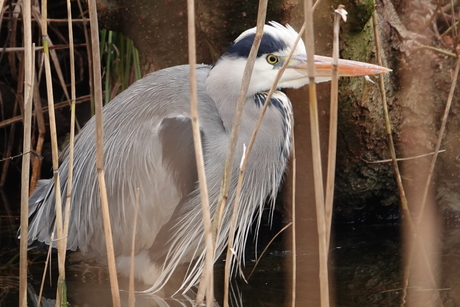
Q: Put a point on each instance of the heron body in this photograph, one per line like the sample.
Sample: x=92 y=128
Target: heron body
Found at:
x=148 y=145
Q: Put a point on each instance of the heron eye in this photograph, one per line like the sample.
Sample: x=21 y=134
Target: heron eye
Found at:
x=272 y=59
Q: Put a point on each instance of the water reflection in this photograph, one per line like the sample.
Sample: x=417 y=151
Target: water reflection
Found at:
x=366 y=270
x=367 y=265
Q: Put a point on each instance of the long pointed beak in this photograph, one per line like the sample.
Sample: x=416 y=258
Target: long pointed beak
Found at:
x=346 y=68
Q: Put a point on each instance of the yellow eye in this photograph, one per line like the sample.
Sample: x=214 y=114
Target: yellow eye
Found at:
x=272 y=59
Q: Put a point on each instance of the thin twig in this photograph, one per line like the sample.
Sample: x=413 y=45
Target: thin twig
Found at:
x=57 y=106
x=403 y=159
x=442 y=51
x=47 y=261
x=9 y=146
x=39 y=48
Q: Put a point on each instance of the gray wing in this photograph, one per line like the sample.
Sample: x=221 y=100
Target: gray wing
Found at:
x=147 y=145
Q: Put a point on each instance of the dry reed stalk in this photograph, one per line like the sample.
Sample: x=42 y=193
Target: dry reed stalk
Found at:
x=55 y=159
x=294 y=239
x=28 y=94
x=238 y=116
x=315 y=5
x=42 y=284
x=100 y=152
x=131 y=297
x=36 y=165
x=332 y=146
x=316 y=154
x=261 y=15
x=50 y=45
x=207 y=277
x=72 y=123
x=244 y=162
x=2 y=2
x=229 y=255
x=404 y=204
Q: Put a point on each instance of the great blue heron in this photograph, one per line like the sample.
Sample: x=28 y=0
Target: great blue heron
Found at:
x=148 y=145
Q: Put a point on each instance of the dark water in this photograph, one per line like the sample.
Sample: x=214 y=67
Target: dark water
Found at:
x=366 y=270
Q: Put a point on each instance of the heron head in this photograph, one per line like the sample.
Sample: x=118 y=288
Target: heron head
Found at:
x=275 y=47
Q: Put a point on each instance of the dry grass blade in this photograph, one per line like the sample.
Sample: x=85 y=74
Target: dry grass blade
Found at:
x=266 y=247
x=206 y=281
x=28 y=94
x=100 y=152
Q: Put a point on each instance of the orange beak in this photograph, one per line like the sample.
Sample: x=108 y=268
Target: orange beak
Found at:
x=346 y=68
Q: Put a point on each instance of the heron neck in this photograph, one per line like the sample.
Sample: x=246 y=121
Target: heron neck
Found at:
x=223 y=85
